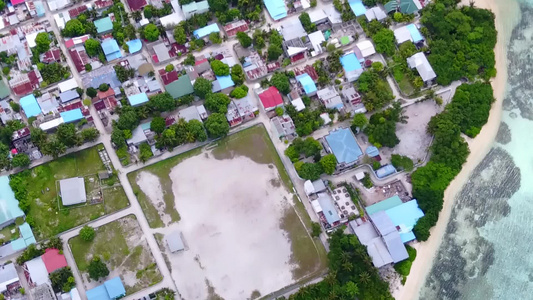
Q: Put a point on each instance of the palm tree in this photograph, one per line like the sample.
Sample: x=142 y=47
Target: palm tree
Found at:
x=364 y=277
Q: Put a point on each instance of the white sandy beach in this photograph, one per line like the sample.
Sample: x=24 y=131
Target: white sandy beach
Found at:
x=479 y=147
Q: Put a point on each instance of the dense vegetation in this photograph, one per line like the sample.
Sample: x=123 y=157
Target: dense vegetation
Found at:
x=180 y=133
x=461 y=39
x=467 y=113
x=381 y=129
x=374 y=88
x=402 y=162
x=305 y=121
x=303 y=148
x=351 y=276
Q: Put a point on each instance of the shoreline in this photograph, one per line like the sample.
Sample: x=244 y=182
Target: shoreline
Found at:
x=479 y=147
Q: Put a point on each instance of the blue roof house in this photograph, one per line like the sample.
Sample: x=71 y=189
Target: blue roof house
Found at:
x=111 y=49
x=307 y=83
x=134 y=45
x=385 y=171
x=276 y=9
x=200 y=33
x=71 y=115
x=343 y=145
x=103 y=25
x=30 y=106
x=138 y=99
x=111 y=289
x=222 y=83
x=9 y=206
x=357 y=7
x=372 y=151
x=352 y=67
x=405 y=217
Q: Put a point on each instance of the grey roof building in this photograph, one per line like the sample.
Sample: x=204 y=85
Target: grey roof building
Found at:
x=8 y=275
x=283 y=126
x=376 y=248
x=72 y=191
x=421 y=63
x=174 y=241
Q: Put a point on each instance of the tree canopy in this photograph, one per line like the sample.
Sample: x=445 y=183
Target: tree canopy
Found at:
x=163 y=102
x=381 y=129
x=328 y=163
x=306 y=22
x=220 y=68
x=306 y=148
x=217 y=103
x=158 y=125
x=92 y=47
x=151 y=32
x=237 y=74
x=461 y=40
x=87 y=233
x=97 y=268
x=42 y=41
x=214 y=37
x=244 y=39
x=202 y=87
x=281 y=82
x=217 y=125
x=73 y=28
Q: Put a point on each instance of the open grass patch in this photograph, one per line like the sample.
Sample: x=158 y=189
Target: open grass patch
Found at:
x=45 y=215
x=122 y=247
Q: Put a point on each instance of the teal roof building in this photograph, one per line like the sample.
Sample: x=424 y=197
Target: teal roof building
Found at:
x=103 y=25
x=9 y=206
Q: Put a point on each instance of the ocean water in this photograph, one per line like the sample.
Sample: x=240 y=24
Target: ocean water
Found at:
x=487 y=250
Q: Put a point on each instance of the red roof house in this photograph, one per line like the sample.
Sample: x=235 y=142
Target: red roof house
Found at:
x=137 y=4
x=168 y=77
x=51 y=56
x=53 y=260
x=232 y=28
x=271 y=98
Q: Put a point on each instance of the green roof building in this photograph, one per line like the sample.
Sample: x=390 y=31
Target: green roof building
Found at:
x=409 y=6
x=180 y=87
x=391 y=6
x=4 y=90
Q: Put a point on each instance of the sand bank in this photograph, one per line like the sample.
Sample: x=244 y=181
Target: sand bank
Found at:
x=479 y=147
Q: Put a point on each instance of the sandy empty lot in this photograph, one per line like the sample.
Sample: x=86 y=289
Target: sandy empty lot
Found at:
x=231 y=213
x=414 y=140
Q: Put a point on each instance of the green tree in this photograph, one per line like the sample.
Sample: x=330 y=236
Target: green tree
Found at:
x=97 y=268
x=310 y=171
x=214 y=37
x=402 y=162
x=202 y=87
x=328 y=163
x=92 y=92
x=244 y=39
x=42 y=41
x=163 y=102
x=217 y=125
x=315 y=229
x=385 y=41
x=196 y=128
x=237 y=75
x=179 y=35
x=118 y=138
x=217 y=103
x=158 y=125
x=279 y=111
x=38 y=136
x=103 y=87
x=128 y=118
x=21 y=160
x=54 y=147
x=73 y=28
x=90 y=134
x=189 y=60
x=68 y=135
x=218 y=5
x=151 y=32
x=87 y=233
x=148 y=11
x=14 y=106
x=220 y=68
x=92 y=47
x=145 y=152
x=274 y=51
x=359 y=121
x=239 y=92
x=306 y=22
x=123 y=73
x=62 y=280
x=281 y=82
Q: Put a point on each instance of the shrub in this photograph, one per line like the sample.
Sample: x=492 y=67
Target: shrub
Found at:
x=87 y=233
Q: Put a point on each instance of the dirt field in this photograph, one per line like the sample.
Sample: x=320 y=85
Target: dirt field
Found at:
x=122 y=246
x=414 y=140
x=237 y=219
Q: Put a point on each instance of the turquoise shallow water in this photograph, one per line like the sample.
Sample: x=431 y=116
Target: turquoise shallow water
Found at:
x=487 y=250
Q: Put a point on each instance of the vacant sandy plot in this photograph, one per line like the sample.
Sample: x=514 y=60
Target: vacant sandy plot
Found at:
x=151 y=187
x=414 y=140
x=231 y=213
x=124 y=249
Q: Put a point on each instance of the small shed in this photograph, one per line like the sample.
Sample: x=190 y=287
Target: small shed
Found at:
x=174 y=242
